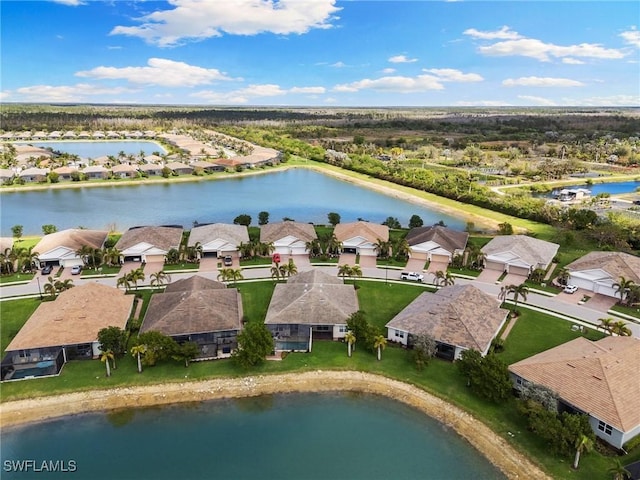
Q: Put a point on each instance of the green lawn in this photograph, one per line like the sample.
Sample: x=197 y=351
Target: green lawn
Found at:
x=104 y=270
x=383 y=301
x=180 y=266
x=14 y=314
x=634 y=312
x=247 y=262
x=255 y=299
x=16 y=277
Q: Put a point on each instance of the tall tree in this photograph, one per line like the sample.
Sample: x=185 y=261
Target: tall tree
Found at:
x=112 y=339
x=255 y=342
x=334 y=218
x=263 y=218
x=185 y=352
x=618 y=472
x=622 y=287
x=379 y=343
x=138 y=351
x=415 y=221
x=242 y=219
x=350 y=338
x=424 y=349
x=583 y=444
x=17 y=230
x=105 y=357
x=160 y=278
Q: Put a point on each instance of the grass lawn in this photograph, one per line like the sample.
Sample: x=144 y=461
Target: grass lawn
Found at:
x=464 y=271
x=255 y=299
x=634 y=312
x=248 y=262
x=383 y=301
x=17 y=277
x=14 y=314
x=104 y=270
x=181 y=266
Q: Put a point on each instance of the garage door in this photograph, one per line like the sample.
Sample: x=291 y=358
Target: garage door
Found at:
x=607 y=290
x=282 y=250
x=524 y=271
x=419 y=255
x=440 y=258
x=494 y=266
x=581 y=283
x=154 y=258
x=298 y=250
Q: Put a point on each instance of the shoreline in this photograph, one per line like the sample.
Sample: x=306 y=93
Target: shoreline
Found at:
x=493 y=447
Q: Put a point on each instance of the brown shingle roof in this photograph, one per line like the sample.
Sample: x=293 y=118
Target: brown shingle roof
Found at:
x=616 y=264
x=460 y=315
x=76 y=316
x=72 y=238
x=450 y=240
x=372 y=232
x=164 y=238
x=234 y=234
x=600 y=378
x=312 y=298
x=275 y=231
x=195 y=282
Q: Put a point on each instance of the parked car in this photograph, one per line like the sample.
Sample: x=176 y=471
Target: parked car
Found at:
x=636 y=202
x=76 y=270
x=412 y=276
x=47 y=269
x=570 y=289
x=228 y=261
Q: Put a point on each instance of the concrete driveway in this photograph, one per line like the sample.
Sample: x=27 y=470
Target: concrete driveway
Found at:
x=415 y=265
x=437 y=267
x=347 y=259
x=513 y=279
x=602 y=303
x=489 y=276
x=368 y=261
x=209 y=264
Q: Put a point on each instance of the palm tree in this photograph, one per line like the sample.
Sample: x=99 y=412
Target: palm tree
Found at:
x=313 y=247
x=124 y=282
x=355 y=271
x=344 y=270
x=606 y=324
x=105 y=357
x=27 y=259
x=583 y=443
x=622 y=286
x=402 y=248
x=620 y=328
x=160 y=278
x=50 y=287
x=84 y=252
x=62 y=285
x=563 y=276
x=111 y=256
x=618 y=471
x=334 y=246
x=518 y=291
x=444 y=278
x=379 y=343
x=136 y=276
x=246 y=249
x=438 y=277
x=275 y=272
x=350 y=338
x=382 y=248
x=291 y=268
x=137 y=351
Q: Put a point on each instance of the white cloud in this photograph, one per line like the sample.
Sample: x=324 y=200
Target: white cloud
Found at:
x=632 y=37
x=402 y=59
x=396 y=84
x=388 y=71
x=308 y=90
x=541 y=82
x=533 y=48
x=67 y=93
x=4 y=95
x=572 y=61
x=505 y=33
x=160 y=71
x=483 y=103
x=538 y=100
x=71 y=3
x=452 y=75
x=196 y=20
x=610 y=101
x=338 y=65
x=244 y=95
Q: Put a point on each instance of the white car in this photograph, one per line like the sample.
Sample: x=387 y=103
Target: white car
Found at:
x=413 y=276
x=76 y=270
x=570 y=289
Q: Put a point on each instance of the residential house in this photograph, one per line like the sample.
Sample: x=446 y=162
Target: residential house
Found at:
x=179 y=168
x=96 y=172
x=436 y=243
x=149 y=244
x=6 y=175
x=65 y=329
x=34 y=174
x=208 y=167
x=70 y=134
x=599 y=379
x=219 y=239
x=598 y=272
x=288 y=237
x=65 y=173
x=518 y=254
x=124 y=170
x=361 y=237
x=59 y=248
x=458 y=317
x=312 y=305
x=150 y=169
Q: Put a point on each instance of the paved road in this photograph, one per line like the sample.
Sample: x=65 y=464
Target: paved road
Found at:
x=563 y=309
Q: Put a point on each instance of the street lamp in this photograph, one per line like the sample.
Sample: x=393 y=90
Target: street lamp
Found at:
x=39 y=291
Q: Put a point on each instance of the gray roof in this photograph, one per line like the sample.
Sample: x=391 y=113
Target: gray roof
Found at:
x=460 y=315
x=233 y=234
x=531 y=250
x=165 y=238
x=71 y=238
x=450 y=240
x=312 y=299
x=616 y=264
x=275 y=231
x=195 y=282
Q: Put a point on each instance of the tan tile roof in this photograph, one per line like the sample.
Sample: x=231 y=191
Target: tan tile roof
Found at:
x=600 y=378
x=450 y=240
x=73 y=239
x=529 y=249
x=6 y=242
x=124 y=168
x=459 y=315
x=164 y=238
x=312 y=298
x=76 y=316
x=234 y=234
x=372 y=232
x=616 y=264
x=275 y=231
x=203 y=308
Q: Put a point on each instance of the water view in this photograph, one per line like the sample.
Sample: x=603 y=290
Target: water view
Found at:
x=95 y=149
x=286 y=437
x=301 y=194
x=613 y=188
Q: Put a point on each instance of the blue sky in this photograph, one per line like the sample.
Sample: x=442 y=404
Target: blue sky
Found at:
x=322 y=52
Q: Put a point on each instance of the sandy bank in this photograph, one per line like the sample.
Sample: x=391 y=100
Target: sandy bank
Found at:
x=495 y=448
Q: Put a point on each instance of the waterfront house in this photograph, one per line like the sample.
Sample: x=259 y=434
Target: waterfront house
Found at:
x=65 y=329
x=179 y=168
x=361 y=237
x=69 y=135
x=59 y=248
x=312 y=305
x=6 y=175
x=599 y=379
x=150 y=169
x=598 y=272
x=34 y=174
x=198 y=310
x=288 y=237
x=518 y=254
x=208 y=167
x=436 y=243
x=219 y=239
x=65 y=173
x=124 y=170
x=96 y=172
x=459 y=317
x=149 y=244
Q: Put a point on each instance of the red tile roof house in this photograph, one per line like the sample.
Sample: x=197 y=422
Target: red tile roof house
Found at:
x=599 y=271
x=65 y=329
x=198 y=310
x=361 y=237
x=436 y=243
x=60 y=248
x=312 y=305
x=288 y=238
x=518 y=254
x=459 y=317
x=149 y=244
x=600 y=379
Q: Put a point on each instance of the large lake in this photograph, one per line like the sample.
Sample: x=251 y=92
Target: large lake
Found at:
x=275 y=437
x=301 y=194
x=99 y=149
x=613 y=188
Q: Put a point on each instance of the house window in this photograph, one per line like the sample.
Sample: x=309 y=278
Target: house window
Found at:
x=519 y=381
x=399 y=334
x=342 y=328
x=603 y=427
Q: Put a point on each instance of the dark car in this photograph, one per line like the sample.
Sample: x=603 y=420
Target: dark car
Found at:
x=228 y=261
x=636 y=202
x=47 y=269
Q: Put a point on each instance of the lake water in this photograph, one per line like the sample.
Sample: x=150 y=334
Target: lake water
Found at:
x=614 y=188
x=301 y=194
x=302 y=436
x=99 y=149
